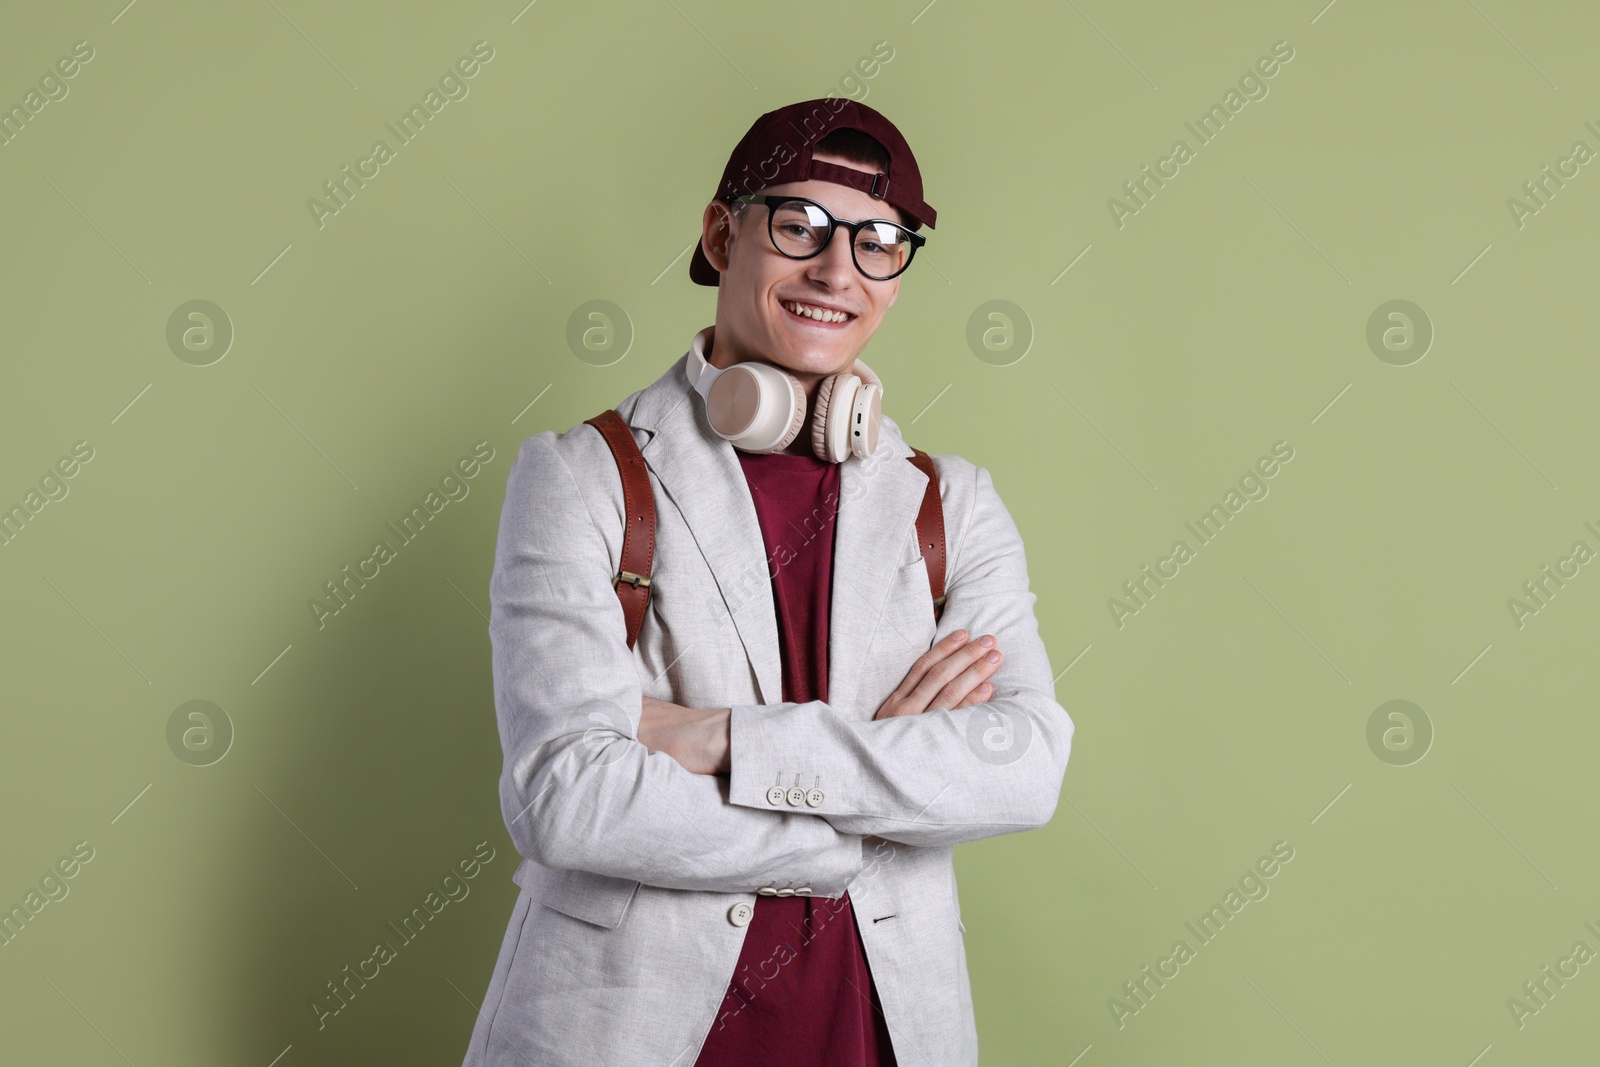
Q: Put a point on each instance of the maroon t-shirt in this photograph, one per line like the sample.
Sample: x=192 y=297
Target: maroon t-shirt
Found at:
x=802 y=994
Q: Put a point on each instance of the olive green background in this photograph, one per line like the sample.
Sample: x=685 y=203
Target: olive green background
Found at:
x=1231 y=312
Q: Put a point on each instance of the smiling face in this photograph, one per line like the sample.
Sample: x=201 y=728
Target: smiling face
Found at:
x=759 y=284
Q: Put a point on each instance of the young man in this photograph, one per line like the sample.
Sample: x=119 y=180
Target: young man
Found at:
x=737 y=835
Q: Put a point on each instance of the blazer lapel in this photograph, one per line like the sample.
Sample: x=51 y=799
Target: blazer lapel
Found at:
x=700 y=473
x=876 y=524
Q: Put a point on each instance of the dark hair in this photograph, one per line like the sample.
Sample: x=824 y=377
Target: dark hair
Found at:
x=855 y=146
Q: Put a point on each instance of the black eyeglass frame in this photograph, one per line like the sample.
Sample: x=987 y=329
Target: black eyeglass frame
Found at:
x=772 y=203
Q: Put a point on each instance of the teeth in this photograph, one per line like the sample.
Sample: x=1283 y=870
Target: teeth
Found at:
x=820 y=314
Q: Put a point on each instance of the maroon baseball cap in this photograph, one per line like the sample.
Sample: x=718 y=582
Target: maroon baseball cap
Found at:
x=777 y=149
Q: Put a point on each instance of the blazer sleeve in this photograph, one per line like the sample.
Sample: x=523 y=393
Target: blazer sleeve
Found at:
x=578 y=790
x=944 y=776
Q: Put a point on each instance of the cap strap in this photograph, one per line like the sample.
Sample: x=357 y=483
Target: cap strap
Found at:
x=876 y=185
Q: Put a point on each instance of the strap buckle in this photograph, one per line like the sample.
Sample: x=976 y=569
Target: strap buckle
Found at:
x=638 y=581
x=875 y=191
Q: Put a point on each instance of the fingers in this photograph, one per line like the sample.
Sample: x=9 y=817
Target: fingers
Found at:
x=955 y=692
x=938 y=652
x=951 y=674
x=902 y=701
x=980 y=693
x=948 y=683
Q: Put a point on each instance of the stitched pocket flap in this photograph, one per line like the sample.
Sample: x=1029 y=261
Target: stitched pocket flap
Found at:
x=593 y=898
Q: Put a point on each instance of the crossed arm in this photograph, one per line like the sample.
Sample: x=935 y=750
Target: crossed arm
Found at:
x=952 y=674
x=992 y=765
x=580 y=790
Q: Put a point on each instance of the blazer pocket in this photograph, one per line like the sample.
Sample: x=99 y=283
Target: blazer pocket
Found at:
x=908 y=609
x=593 y=898
x=914 y=555
x=904 y=581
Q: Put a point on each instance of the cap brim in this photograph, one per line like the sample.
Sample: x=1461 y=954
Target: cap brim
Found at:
x=700 y=268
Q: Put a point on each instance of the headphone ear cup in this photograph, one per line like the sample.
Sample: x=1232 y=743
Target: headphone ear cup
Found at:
x=845 y=422
x=865 y=412
x=757 y=407
x=827 y=391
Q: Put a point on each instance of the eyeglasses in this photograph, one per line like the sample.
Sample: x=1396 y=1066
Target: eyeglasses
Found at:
x=801 y=229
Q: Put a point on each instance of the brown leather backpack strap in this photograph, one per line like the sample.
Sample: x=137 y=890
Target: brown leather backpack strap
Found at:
x=930 y=529
x=632 y=582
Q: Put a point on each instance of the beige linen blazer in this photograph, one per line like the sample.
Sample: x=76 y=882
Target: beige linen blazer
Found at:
x=637 y=876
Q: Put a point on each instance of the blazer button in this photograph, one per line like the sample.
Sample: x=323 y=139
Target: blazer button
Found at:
x=814 y=798
x=797 y=796
x=776 y=795
x=768 y=891
x=740 y=914
x=786 y=892
x=803 y=891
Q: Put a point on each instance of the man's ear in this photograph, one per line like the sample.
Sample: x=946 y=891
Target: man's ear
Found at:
x=716 y=231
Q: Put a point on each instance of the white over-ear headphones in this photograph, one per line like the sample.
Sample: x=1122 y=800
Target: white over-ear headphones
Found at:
x=762 y=408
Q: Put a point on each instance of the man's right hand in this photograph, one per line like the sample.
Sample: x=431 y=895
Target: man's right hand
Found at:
x=951 y=674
